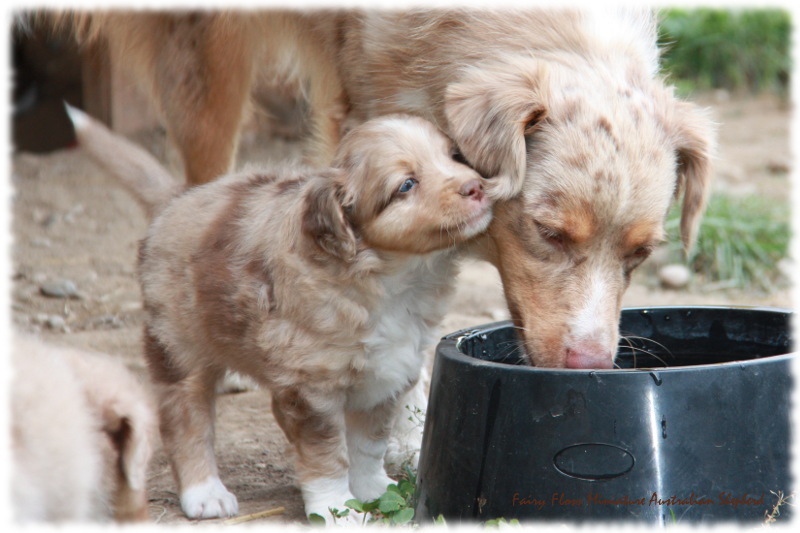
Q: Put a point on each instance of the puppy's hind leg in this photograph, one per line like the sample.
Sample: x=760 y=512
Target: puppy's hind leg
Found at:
x=186 y=405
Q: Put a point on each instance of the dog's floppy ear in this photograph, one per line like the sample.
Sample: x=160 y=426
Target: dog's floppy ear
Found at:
x=325 y=222
x=489 y=111
x=694 y=139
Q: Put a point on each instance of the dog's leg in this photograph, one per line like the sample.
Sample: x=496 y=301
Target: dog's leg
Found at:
x=316 y=428
x=204 y=111
x=187 y=429
x=367 y=441
x=186 y=406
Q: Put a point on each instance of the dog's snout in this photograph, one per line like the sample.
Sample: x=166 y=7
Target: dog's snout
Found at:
x=472 y=188
x=589 y=356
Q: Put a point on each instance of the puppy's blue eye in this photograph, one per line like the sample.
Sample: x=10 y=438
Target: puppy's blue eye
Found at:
x=407 y=185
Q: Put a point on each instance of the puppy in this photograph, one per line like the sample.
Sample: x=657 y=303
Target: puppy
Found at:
x=563 y=111
x=83 y=429
x=324 y=285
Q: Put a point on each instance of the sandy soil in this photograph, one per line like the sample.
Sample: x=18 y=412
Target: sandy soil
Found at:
x=72 y=222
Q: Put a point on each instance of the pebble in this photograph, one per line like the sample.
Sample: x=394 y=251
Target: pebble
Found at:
x=56 y=322
x=499 y=314
x=63 y=288
x=674 y=276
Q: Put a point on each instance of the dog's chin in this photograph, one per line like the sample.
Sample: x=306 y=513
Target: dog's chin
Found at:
x=472 y=226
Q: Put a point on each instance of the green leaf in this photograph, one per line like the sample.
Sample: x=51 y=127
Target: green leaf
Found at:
x=391 y=502
x=316 y=520
x=406 y=487
x=337 y=513
x=403 y=516
x=356 y=505
x=372 y=506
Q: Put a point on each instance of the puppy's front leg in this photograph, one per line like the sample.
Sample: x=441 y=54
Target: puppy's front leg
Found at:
x=314 y=423
x=367 y=440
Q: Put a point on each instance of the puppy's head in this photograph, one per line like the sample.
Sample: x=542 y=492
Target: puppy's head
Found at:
x=399 y=187
x=587 y=159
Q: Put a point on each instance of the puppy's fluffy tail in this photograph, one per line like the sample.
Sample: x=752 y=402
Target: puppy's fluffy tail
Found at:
x=148 y=181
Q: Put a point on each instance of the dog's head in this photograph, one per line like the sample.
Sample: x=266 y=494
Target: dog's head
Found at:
x=397 y=188
x=585 y=159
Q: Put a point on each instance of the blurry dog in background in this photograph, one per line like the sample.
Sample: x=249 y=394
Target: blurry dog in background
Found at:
x=83 y=430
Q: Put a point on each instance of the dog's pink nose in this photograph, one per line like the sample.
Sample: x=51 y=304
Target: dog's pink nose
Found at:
x=472 y=188
x=589 y=356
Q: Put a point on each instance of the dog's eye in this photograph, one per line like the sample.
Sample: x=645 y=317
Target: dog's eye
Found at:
x=643 y=252
x=532 y=124
x=635 y=258
x=458 y=157
x=407 y=185
x=552 y=236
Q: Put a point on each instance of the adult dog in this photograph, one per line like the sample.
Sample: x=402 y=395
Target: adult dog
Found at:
x=563 y=111
x=324 y=285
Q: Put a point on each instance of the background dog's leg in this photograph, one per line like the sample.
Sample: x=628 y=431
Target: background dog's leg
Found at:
x=204 y=109
x=314 y=424
x=328 y=113
x=367 y=439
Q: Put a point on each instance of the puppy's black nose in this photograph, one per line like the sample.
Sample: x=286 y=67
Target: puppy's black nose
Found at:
x=472 y=188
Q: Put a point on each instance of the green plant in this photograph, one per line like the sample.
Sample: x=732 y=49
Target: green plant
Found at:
x=395 y=506
x=739 y=50
x=740 y=242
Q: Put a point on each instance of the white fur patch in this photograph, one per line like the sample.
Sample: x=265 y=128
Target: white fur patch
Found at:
x=396 y=347
x=79 y=119
x=209 y=499
x=322 y=494
x=368 y=479
x=588 y=323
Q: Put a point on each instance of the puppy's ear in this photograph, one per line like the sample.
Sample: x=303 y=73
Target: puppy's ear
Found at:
x=694 y=139
x=324 y=220
x=489 y=111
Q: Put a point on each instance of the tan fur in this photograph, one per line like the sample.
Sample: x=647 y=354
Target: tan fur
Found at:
x=560 y=109
x=295 y=277
x=83 y=431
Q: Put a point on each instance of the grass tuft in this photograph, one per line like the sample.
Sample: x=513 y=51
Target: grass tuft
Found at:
x=740 y=243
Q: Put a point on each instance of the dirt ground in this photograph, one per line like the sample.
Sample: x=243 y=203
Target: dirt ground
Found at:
x=72 y=222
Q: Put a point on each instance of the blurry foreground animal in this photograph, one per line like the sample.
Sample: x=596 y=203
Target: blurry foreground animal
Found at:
x=83 y=430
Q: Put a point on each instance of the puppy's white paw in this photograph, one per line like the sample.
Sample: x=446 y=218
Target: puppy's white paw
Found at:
x=369 y=487
x=323 y=494
x=209 y=499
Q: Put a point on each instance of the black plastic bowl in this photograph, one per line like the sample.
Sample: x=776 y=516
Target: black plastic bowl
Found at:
x=693 y=428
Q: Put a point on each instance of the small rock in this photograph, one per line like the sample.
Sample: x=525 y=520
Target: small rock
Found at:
x=62 y=288
x=779 y=166
x=499 y=314
x=56 y=322
x=41 y=243
x=674 y=276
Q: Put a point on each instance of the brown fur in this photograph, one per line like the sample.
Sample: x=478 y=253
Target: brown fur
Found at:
x=560 y=109
x=325 y=291
x=83 y=431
